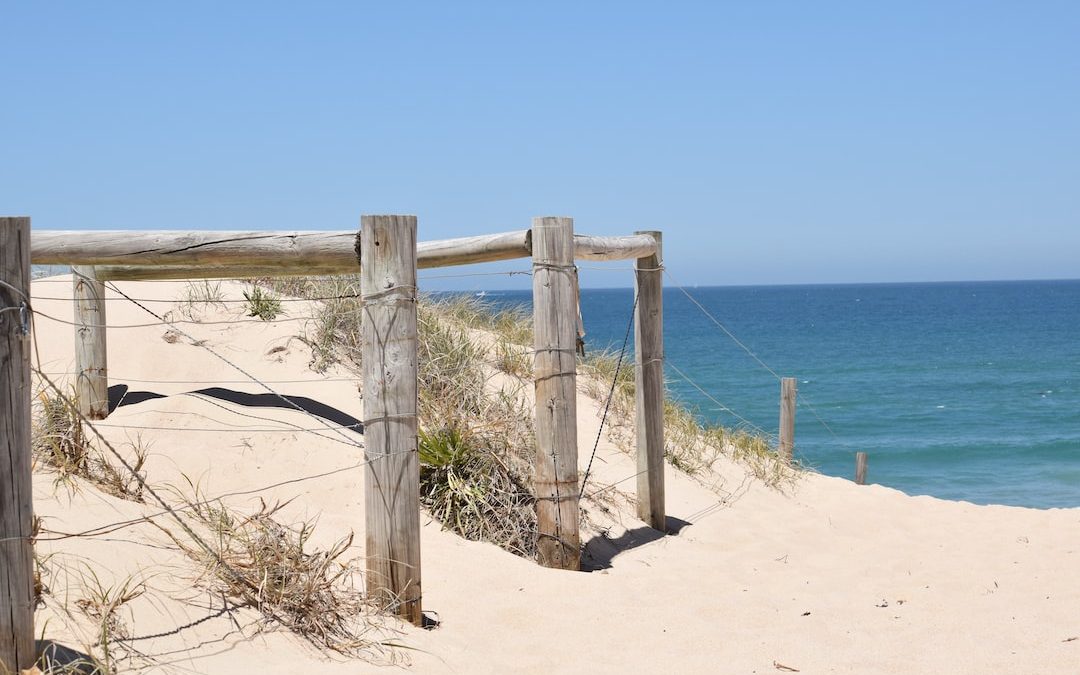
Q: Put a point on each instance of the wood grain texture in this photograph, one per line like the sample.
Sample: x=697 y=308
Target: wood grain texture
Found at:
x=133 y=256
x=292 y=250
x=638 y=245
x=91 y=362
x=861 y=462
x=389 y=364
x=555 y=371
x=16 y=501
x=788 y=393
x=429 y=254
x=649 y=384
x=194 y=248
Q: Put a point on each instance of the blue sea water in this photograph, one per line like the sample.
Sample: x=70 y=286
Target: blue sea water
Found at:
x=966 y=391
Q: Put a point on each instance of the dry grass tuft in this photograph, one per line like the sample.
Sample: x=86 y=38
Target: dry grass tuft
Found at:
x=475 y=493
x=199 y=296
x=477 y=445
x=271 y=567
x=334 y=333
x=513 y=359
x=59 y=440
x=103 y=604
x=513 y=324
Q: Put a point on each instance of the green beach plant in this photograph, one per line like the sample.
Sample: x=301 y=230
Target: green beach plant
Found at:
x=262 y=303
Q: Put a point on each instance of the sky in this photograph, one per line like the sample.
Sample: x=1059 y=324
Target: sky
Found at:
x=771 y=142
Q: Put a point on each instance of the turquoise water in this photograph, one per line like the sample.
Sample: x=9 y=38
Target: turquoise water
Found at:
x=958 y=390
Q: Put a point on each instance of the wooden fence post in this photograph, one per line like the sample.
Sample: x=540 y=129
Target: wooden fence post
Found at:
x=787 y=418
x=91 y=364
x=555 y=373
x=860 y=468
x=389 y=364
x=16 y=503
x=649 y=385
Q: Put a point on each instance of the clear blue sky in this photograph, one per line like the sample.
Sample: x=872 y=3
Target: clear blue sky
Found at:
x=773 y=142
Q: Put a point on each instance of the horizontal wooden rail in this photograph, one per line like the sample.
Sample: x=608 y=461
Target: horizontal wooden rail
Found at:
x=631 y=247
x=122 y=255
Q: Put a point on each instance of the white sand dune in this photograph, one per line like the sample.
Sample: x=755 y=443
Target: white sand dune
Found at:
x=824 y=577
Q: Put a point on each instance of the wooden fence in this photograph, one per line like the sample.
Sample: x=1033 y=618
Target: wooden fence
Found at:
x=386 y=255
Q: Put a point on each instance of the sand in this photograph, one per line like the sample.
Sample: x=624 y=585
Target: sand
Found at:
x=821 y=577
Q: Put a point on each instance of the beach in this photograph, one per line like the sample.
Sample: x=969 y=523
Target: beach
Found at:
x=814 y=575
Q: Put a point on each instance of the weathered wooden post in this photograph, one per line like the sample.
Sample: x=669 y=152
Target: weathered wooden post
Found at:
x=555 y=373
x=649 y=385
x=392 y=484
x=16 y=503
x=860 y=468
x=91 y=365
x=787 y=418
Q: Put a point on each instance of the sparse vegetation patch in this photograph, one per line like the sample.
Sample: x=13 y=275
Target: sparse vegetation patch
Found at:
x=59 y=441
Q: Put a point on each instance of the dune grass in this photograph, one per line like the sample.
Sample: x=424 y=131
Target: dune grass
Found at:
x=199 y=296
x=262 y=563
x=476 y=442
x=333 y=333
x=690 y=445
x=60 y=442
x=476 y=446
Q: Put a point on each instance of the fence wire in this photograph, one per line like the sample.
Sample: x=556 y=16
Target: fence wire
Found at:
x=341 y=433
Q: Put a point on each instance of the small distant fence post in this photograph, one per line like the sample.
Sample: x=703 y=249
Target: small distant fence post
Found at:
x=555 y=373
x=787 y=418
x=389 y=363
x=860 y=468
x=16 y=503
x=91 y=365
x=649 y=385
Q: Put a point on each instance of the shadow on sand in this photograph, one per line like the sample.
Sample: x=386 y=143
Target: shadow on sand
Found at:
x=601 y=550
x=120 y=395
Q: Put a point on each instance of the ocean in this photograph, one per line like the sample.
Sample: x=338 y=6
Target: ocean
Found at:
x=965 y=391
